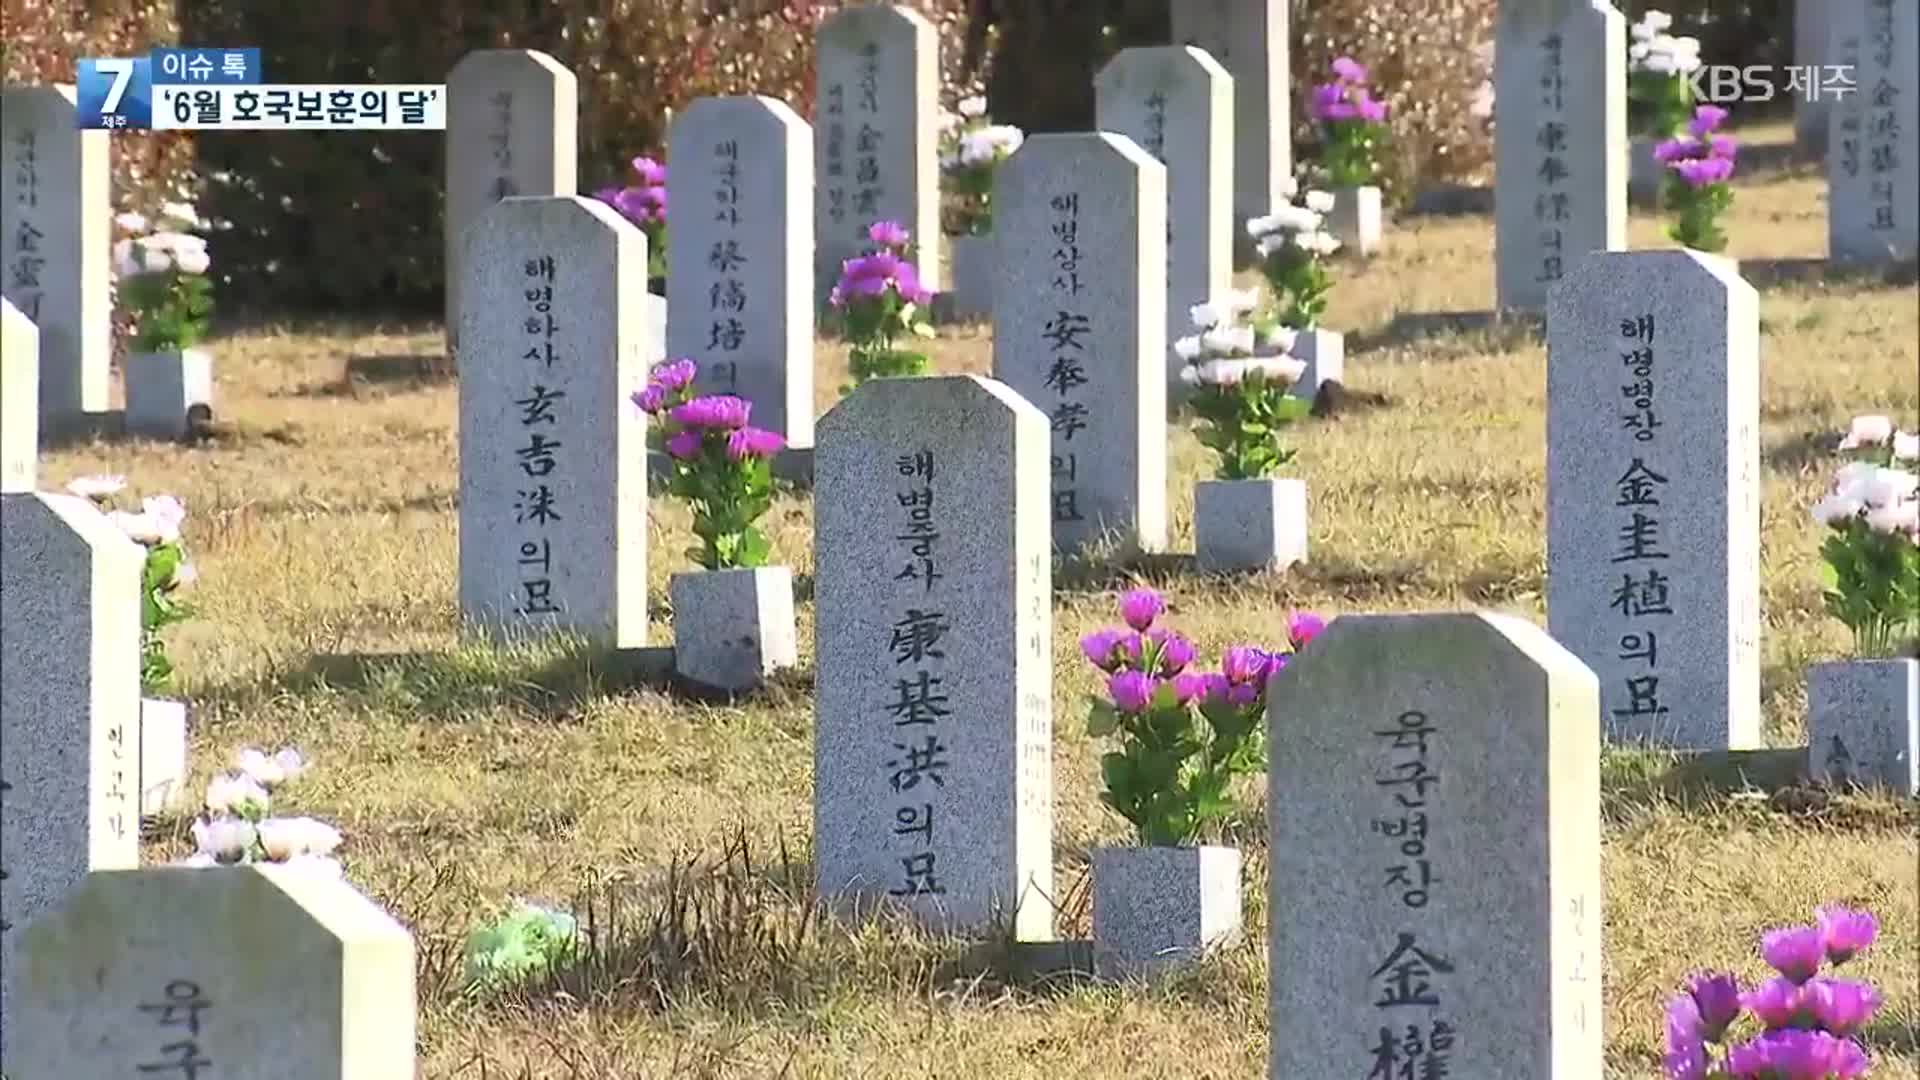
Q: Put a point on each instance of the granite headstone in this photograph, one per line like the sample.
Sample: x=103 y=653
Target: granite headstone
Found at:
x=1873 y=145
x=19 y=400
x=1249 y=39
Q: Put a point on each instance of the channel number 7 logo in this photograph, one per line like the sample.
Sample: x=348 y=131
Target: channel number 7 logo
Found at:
x=115 y=94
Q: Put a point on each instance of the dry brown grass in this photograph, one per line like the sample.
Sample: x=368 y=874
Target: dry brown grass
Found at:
x=462 y=776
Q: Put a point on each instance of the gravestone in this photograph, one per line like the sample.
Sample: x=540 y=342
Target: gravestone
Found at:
x=1873 y=145
x=1176 y=103
x=1812 y=22
x=1249 y=39
x=19 y=400
x=1080 y=326
x=511 y=116
x=933 y=783
x=1653 y=493
x=740 y=271
x=876 y=155
x=553 y=479
x=264 y=972
x=1560 y=172
x=55 y=245
x=69 y=711
x=1435 y=839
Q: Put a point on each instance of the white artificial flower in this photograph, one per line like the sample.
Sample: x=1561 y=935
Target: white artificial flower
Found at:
x=1651 y=24
x=193 y=262
x=199 y=860
x=1482 y=105
x=319 y=865
x=149 y=259
x=949 y=121
x=1270 y=243
x=1229 y=372
x=1837 y=508
x=131 y=221
x=1258 y=227
x=182 y=214
x=1890 y=486
x=1658 y=63
x=124 y=265
x=140 y=528
x=229 y=793
x=1207 y=315
x=227 y=839
x=1280 y=369
x=1902 y=516
x=973 y=107
x=258 y=767
x=1289 y=187
x=1686 y=63
x=1867 y=431
x=1187 y=348
x=1279 y=337
x=1228 y=341
x=290 y=762
x=167 y=514
x=1906 y=446
x=287 y=838
x=1319 y=201
x=184 y=575
x=1238 y=301
x=96 y=487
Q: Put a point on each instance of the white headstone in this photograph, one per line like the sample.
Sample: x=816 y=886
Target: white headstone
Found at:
x=1653 y=493
x=1249 y=39
x=511 y=116
x=553 y=478
x=1560 y=184
x=1176 y=102
x=262 y=972
x=19 y=400
x=55 y=243
x=876 y=153
x=740 y=268
x=69 y=712
x=1435 y=840
x=1873 y=145
x=933 y=783
x=1080 y=326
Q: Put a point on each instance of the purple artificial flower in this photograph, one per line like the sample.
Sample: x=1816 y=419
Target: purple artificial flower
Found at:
x=1686 y=1057
x=675 y=374
x=1176 y=652
x=1140 y=607
x=887 y=234
x=1795 y=951
x=1717 y=996
x=1340 y=110
x=753 y=442
x=907 y=280
x=1723 y=146
x=1844 y=931
x=723 y=411
x=607 y=195
x=1326 y=96
x=1797 y=1055
x=632 y=205
x=1276 y=663
x=1672 y=150
x=1841 y=1006
x=1132 y=690
x=1102 y=648
x=650 y=172
x=683 y=444
x=1303 y=627
x=1215 y=686
x=651 y=398
x=1706 y=120
x=1779 y=1003
x=1699 y=172
x=1349 y=70
x=1189 y=685
x=1243 y=664
x=1372 y=109
x=1243 y=694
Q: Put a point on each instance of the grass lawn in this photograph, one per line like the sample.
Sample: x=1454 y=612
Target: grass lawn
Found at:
x=324 y=524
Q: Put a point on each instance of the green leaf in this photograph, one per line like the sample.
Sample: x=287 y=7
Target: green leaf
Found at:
x=1102 y=719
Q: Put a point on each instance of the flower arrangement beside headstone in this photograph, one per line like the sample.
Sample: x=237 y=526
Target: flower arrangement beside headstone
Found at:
x=1699 y=162
x=1808 y=1021
x=238 y=828
x=1863 y=714
x=1353 y=131
x=161 y=279
x=733 y=620
x=526 y=944
x=644 y=203
x=1184 y=737
x=881 y=303
x=1293 y=243
x=972 y=149
x=1659 y=96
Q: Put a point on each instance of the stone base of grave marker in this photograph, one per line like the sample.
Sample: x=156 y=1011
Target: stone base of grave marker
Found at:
x=162 y=390
x=1355 y=219
x=1644 y=173
x=1325 y=352
x=163 y=756
x=1160 y=908
x=970 y=295
x=1249 y=524
x=733 y=628
x=1863 y=724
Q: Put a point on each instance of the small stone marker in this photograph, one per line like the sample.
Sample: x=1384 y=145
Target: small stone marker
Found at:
x=511 y=116
x=263 y=972
x=1653 y=496
x=740 y=271
x=1080 y=326
x=933 y=639
x=876 y=153
x=1873 y=145
x=69 y=713
x=1176 y=103
x=55 y=243
x=1249 y=39
x=1560 y=185
x=1435 y=839
x=553 y=477
x=19 y=400
x=1863 y=724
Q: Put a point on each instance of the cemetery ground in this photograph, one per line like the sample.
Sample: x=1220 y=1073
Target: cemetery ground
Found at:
x=323 y=519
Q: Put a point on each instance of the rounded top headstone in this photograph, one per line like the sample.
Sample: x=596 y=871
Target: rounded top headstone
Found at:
x=1153 y=64
x=732 y=110
x=498 y=64
x=873 y=20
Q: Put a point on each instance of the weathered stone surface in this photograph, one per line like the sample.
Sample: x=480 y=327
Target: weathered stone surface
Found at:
x=1249 y=39
x=876 y=152
x=163 y=387
x=553 y=471
x=1873 y=145
x=740 y=268
x=1356 y=219
x=1160 y=908
x=1653 y=493
x=1863 y=724
x=1080 y=327
x=1250 y=524
x=69 y=712
x=1435 y=840
x=266 y=972
x=163 y=756
x=733 y=628
x=511 y=116
x=933 y=651
x=1560 y=150
x=55 y=240
x=19 y=400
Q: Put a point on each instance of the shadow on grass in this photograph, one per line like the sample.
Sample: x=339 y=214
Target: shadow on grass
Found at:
x=1642 y=779
x=1800 y=451
x=1451 y=335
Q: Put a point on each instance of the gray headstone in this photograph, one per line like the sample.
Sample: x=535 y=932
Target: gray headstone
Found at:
x=1863 y=724
x=19 y=400
x=1812 y=24
x=55 y=245
x=1176 y=102
x=1653 y=493
x=876 y=153
x=740 y=268
x=1435 y=840
x=511 y=116
x=1873 y=146
x=1249 y=39
x=1080 y=326
x=266 y=972
x=933 y=643
x=1560 y=184
x=69 y=711
x=553 y=478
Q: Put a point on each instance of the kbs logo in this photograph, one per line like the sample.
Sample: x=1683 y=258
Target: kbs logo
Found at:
x=1722 y=83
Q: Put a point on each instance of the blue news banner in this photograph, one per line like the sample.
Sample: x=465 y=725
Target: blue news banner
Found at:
x=221 y=89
